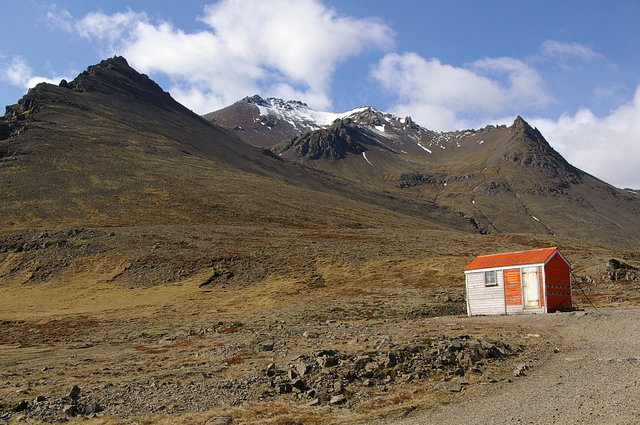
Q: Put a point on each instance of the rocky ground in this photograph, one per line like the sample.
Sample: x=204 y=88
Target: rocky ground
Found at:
x=593 y=378
x=257 y=325
x=83 y=367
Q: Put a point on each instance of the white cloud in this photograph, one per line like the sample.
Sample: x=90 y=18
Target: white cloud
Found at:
x=287 y=48
x=606 y=147
x=445 y=97
x=112 y=29
x=578 y=50
x=20 y=74
x=60 y=18
x=525 y=86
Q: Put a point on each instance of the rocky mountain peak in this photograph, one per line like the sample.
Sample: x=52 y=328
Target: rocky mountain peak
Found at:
x=255 y=100
x=274 y=102
x=114 y=75
x=334 y=142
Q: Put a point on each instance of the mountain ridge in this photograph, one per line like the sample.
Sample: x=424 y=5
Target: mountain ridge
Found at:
x=507 y=179
x=112 y=148
x=116 y=141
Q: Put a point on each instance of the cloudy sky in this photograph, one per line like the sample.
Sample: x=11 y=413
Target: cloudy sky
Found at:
x=571 y=68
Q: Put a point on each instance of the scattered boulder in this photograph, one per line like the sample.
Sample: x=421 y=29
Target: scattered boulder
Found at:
x=70 y=410
x=327 y=361
x=302 y=367
x=310 y=334
x=520 y=369
x=22 y=406
x=284 y=388
x=298 y=385
x=267 y=345
x=271 y=369
x=74 y=393
x=337 y=399
x=90 y=408
x=326 y=378
x=617 y=270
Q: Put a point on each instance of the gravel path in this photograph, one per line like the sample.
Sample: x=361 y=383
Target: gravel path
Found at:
x=594 y=379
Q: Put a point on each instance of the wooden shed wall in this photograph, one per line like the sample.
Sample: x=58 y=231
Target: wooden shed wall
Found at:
x=483 y=299
x=558 y=283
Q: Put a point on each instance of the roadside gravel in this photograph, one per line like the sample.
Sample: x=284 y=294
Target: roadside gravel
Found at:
x=593 y=378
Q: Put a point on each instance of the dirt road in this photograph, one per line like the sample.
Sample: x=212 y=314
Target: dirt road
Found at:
x=593 y=379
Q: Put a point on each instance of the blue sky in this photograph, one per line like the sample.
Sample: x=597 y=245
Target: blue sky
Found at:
x=570 y=67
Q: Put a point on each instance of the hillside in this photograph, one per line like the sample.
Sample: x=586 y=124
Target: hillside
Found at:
x=505 y=179
x=111 y=148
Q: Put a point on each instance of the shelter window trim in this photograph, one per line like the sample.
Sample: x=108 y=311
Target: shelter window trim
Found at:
x=491 y=278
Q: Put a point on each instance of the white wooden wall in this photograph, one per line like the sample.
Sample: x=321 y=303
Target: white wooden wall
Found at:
x=484 y=299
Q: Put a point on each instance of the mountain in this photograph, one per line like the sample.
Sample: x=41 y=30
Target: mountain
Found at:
x=506 y=179
x=111 y=148
x=266 y=122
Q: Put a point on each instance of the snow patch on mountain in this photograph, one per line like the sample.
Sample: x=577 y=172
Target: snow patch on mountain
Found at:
x=297 y=113
x=364 y=155
x=425 y=148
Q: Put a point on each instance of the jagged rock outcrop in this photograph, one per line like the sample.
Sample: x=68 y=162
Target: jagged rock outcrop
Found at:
x=334 y=142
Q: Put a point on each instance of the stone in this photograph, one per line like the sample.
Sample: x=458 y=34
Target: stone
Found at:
x=361 y=361
x=302 y=367
x=327 y=361
x=313 y=402
x=74 y=392
x=520 y=370
x=283 y=388
x=299 y=385
x=23 y=405
x=69 y=410
x=90 y=408
x=338 y=387
x=267 y=345
x=271 y=369
x=337 y=399
x=454 y=387
x=459 y=371
x=310 y=334
x=40 y=399
x=373 y=366
x=390 y=360
x=326 y=352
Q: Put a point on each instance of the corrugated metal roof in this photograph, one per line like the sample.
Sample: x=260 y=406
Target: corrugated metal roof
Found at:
x=515 y=258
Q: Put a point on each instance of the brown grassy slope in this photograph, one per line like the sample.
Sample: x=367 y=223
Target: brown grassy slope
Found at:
x=509 y=180
x=111 y=148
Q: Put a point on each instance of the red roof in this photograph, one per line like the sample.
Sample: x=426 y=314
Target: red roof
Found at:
x=517 y=258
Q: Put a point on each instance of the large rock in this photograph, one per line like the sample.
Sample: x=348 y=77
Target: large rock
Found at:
x=74 y=393
x=267 y=345
x=337 y=399
x=302 y=367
